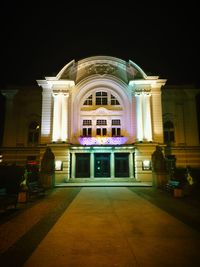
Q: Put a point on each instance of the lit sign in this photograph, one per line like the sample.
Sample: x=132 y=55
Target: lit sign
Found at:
x=102 y=140
x=146 y=165
x=58 y=165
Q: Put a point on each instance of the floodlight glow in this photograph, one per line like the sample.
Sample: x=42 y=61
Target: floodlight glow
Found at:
x=56 y=119
x=147 y=118
x=64 y=117
x=139 y=117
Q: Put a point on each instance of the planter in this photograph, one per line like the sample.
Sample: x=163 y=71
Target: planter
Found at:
x=178 y=192
x=22 y=197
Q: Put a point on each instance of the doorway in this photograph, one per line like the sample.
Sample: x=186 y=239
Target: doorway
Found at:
x=121 y=165
x=82 y=165
x=102 y=165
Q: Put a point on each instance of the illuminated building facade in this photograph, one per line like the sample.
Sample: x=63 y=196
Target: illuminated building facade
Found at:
x=102 y=118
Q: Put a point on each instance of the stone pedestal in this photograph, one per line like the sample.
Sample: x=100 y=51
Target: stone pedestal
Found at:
x=47 y=174
x=47 y=180
x=160 y=179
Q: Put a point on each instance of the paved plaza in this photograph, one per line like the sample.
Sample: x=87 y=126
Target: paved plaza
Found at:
x=102 y=227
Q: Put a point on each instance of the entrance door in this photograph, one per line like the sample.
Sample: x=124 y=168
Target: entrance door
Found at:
x=121 y=165
x=82 y=165
x=102 y=165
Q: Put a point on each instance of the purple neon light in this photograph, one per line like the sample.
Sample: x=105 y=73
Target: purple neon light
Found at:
x=88 y=141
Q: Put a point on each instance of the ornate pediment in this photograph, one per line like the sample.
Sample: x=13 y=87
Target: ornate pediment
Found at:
x=101 y=68
x=100 y=112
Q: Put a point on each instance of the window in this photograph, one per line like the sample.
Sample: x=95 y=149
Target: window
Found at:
x=116 y=132
x=33 y=133
x=114 y=101
x=101 y=131
x=87 y=132
x=87 y=122
x=116 y=122
x=101 y=122
x=88 y=101
x=168 y=132
x=101 y=98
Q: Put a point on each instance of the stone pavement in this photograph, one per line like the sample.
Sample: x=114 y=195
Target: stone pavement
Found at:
x=105 y=227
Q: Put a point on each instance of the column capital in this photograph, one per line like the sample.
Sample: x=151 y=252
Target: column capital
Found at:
x=9 y=94
x=143 y=91
x=61 y=92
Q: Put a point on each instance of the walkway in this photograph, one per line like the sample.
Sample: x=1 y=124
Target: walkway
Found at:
x=98 y=226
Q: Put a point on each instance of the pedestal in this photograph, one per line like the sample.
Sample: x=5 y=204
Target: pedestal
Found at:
x=160 y=179
x=47 y=180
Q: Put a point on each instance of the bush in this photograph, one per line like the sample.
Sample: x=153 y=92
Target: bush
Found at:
x=10 y=178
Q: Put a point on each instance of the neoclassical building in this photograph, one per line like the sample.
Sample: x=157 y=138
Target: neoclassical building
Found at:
x=102 y=117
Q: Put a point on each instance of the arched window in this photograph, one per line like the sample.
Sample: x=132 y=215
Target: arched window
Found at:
x=101 y=98
x=114 y=100
x=101 y=114
x=168 y=132
x=88 y=101
x=33 y=133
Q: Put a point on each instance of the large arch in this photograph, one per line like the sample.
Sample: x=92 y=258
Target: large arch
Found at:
x=101 y=65
x=89 y=85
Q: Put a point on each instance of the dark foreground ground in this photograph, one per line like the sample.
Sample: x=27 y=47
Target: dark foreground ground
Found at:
x=64 y=227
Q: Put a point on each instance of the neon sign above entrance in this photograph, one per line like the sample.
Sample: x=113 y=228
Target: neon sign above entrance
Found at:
x=102 y=140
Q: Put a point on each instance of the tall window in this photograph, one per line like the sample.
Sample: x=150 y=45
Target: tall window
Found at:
x=101 y=131
x=33 y=133
x=169 y=132
x=87 y=132
x=116 y=132
x=101 y=98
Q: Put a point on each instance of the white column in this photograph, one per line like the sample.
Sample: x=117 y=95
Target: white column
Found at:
x=46 y=115
x=73 y=165
x=157 y=120
x=64 y=120
x=92 y=165
x=56 y=118
x=139 y=114
x=131 y=175
x=112 y=165
x=147 y=117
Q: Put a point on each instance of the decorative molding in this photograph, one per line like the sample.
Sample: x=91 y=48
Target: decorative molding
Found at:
x=60 y=91
x=101 y=68
x=142 y=91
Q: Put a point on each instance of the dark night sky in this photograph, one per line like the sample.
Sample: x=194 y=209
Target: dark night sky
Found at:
x=39 y=40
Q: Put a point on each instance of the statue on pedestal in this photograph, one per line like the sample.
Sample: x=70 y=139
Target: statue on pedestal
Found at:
x=48 y=168
x=159 y=167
